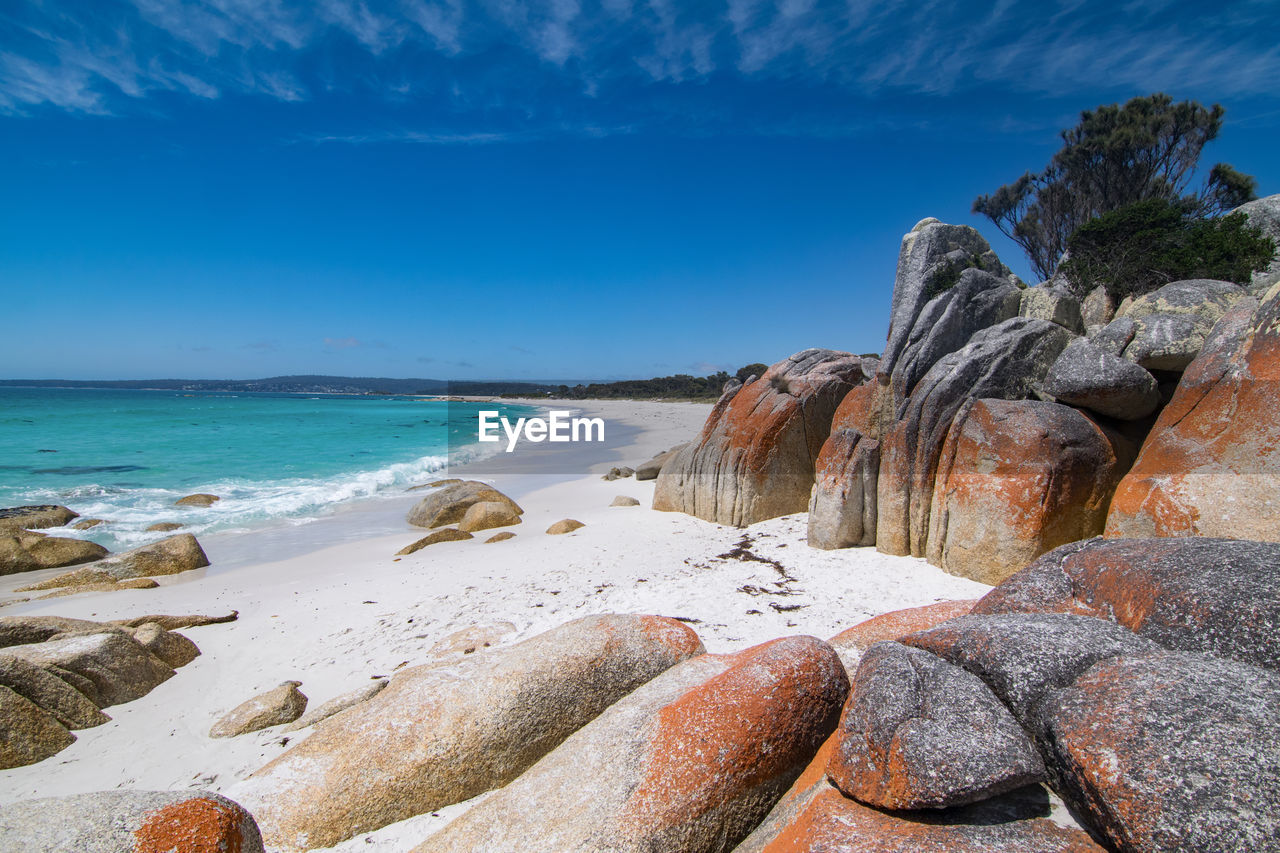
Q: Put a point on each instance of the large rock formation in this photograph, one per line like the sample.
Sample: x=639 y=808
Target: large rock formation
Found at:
x=1207 y=595
x=130 y=822
x=440 y=735
x=1017 y=478
x=754 y=458
x=1211 y=465
x=1171 y=752
x=920 y=733
x=931 y=260
x=691 y=761
x=1006 y=361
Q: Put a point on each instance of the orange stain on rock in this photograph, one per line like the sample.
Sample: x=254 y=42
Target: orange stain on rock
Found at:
x=193 y=826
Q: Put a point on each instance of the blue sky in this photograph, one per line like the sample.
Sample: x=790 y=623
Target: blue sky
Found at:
x=570 y=188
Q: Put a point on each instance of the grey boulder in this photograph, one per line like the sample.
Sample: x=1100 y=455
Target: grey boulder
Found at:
x=1174 y=321
x=651 y=469
x=1171 y=752
x=1264 y=214
x=918 y=733
x=1090 y=377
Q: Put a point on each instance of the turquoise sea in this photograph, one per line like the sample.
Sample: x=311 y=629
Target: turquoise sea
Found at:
x=126 y=456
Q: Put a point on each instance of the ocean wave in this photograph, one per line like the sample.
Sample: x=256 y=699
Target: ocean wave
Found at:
x=245 y=504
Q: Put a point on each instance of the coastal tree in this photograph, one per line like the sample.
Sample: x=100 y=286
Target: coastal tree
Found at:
x=1141 y=246
x=1149 y=148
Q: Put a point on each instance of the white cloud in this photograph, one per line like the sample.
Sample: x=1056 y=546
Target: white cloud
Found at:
x=92 y=58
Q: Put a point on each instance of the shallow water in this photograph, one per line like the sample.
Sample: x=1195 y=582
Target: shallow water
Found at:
x=126 y=456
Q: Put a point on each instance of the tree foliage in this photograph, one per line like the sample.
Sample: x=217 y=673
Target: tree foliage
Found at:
x=1117 y=155
x=747 y=371
x=682 y=386
x=1141 y=246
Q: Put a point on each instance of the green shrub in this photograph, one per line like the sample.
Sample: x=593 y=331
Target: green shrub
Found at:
x=1142 y=246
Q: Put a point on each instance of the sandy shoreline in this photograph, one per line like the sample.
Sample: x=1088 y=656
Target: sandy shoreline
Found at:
x=329 y=605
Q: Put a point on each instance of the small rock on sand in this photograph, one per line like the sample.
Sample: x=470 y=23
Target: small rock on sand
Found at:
x=489 y=514
x=500 y=537
x=565 y=525
x=625 y=500
x=444 y=534
x=284 y=704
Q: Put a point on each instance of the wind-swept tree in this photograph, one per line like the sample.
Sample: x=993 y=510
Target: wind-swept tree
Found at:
x=1116 y=156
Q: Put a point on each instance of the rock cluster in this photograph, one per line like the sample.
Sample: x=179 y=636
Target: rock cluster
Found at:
x=997 y=425
x=1099 y=670
x=57 y=674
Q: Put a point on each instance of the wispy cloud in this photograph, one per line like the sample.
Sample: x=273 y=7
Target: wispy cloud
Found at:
x=96 y=58
x=341 y=343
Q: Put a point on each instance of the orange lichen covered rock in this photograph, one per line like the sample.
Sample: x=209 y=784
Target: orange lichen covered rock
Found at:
x=691 y=761
x=1211 y=465
x=1004 y=362
x=896 y=624
x=438 y=735
x=1017 y=479
x=1196 y=594
x=828 y=822
x=130 y=822
x=754 y=458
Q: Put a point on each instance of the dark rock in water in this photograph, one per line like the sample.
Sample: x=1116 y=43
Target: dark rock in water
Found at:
x=130 y=822
x=1211 y=465
x=28 y=733
x=1086 y=375
x=754 y=457
x=1024 y=656
x=919 y=733
x=200 y=500
x=1207 y=595
x=1171 y=752
x=34 y=517
x=1006 y=361
x=448 y=504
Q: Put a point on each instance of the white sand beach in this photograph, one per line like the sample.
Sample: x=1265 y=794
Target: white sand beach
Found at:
x=327 y=603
